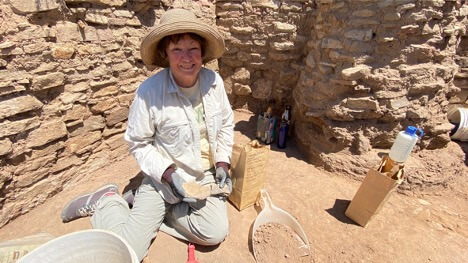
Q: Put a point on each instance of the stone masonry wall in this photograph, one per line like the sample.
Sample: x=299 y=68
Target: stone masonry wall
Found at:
x=355 y=72
x=68 y=72
x=373 y=68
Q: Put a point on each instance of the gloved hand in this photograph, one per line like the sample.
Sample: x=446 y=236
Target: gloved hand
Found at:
x=222 y=178
x=177 y=183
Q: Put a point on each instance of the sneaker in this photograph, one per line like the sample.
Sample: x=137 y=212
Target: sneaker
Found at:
x=129 y=196
x=84 y=205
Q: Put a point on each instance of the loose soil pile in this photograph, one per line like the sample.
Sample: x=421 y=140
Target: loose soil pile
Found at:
x=273 y=240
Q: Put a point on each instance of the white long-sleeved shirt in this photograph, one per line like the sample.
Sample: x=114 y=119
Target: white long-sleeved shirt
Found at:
x=163 y=131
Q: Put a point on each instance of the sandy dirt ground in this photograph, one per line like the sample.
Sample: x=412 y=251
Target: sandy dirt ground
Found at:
x=428 y=226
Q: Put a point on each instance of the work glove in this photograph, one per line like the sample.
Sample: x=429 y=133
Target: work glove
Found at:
x=177 y=183
x=222 y=178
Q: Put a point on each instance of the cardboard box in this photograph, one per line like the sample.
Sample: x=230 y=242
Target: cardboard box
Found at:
x=374 y=191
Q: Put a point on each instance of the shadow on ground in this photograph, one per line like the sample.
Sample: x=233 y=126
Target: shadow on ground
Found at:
x=338 y=211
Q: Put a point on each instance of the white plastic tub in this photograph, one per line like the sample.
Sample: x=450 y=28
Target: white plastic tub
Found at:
x=90 y=246
x=459 y=116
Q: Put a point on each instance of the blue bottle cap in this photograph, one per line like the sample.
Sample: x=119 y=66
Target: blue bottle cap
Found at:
x=411 y=130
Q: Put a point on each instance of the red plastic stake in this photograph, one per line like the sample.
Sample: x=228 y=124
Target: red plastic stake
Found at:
x=191 y=253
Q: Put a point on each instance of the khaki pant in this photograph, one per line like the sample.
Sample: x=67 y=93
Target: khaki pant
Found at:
x=204 y=222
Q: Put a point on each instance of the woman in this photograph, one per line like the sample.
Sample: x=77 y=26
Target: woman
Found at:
x=180 y=129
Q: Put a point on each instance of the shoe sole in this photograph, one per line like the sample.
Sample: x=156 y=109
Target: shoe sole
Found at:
x=63 y=214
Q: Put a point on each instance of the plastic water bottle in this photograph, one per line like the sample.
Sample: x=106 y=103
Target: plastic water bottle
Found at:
x=404 y=143
x=284 y=128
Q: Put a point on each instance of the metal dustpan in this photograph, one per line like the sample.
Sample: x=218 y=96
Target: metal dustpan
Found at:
x=274 y=214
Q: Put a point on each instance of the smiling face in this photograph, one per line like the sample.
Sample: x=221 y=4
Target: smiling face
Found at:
x=185 y=60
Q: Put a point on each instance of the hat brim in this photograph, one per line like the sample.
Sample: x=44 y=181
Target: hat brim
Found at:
x=214 y=46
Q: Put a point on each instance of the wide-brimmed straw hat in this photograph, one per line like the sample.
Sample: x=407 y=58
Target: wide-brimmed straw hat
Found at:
x=176 y=21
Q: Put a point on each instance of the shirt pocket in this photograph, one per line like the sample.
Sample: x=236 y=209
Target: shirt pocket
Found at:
x=175 y=137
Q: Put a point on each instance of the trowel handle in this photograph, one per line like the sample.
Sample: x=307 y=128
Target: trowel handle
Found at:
x=266 y=199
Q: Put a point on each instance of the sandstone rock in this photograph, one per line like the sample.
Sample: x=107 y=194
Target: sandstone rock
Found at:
x=117 y=21
x=283 y=56
x=100 y=2
x=90 y=49
x=392 y=16
x=243 y=56
x=18 y=105
x=362 y=143
x=331 y=43
x=78 y=144
x=344 y=82
x=355 y=73
x=5 y=147
x=260 y=43
x=363 y=22
x=280 y=27
x=426 y=88
x=282 y=46
x=361 y=103
x=242 y=30
x=338 y=56
x=97 y=17
x=402 y=8
x=123 y=13
x=48 y=81
x=70 y=98
x=116 y=116
x=14 y=127
x=363 y=13
x=442 y=128
x=417 y=17
x=45 y=68
x=241 y=90
x=99 y=84
x=66 y=162
x=35 y=48
x=116 y=141
x=264 y=3
x=77 y=112
x=68 y=32
x=359 y=34
x=63 y=51
x=123 y=66
x=464 y=11
x=90 y=34
x=47 y=132
x=133 y=22
x=310 y=61
x=263 y=89
x=434 y=3
x=7 y=44
x=33 y=6
x=103 y=106
x=106 y=91
x=77 y=87
x=242 y=76
x=399 y=103
x=10 y=88
x=92 y=123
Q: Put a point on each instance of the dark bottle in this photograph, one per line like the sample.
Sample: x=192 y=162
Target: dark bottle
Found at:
x=284 y=128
